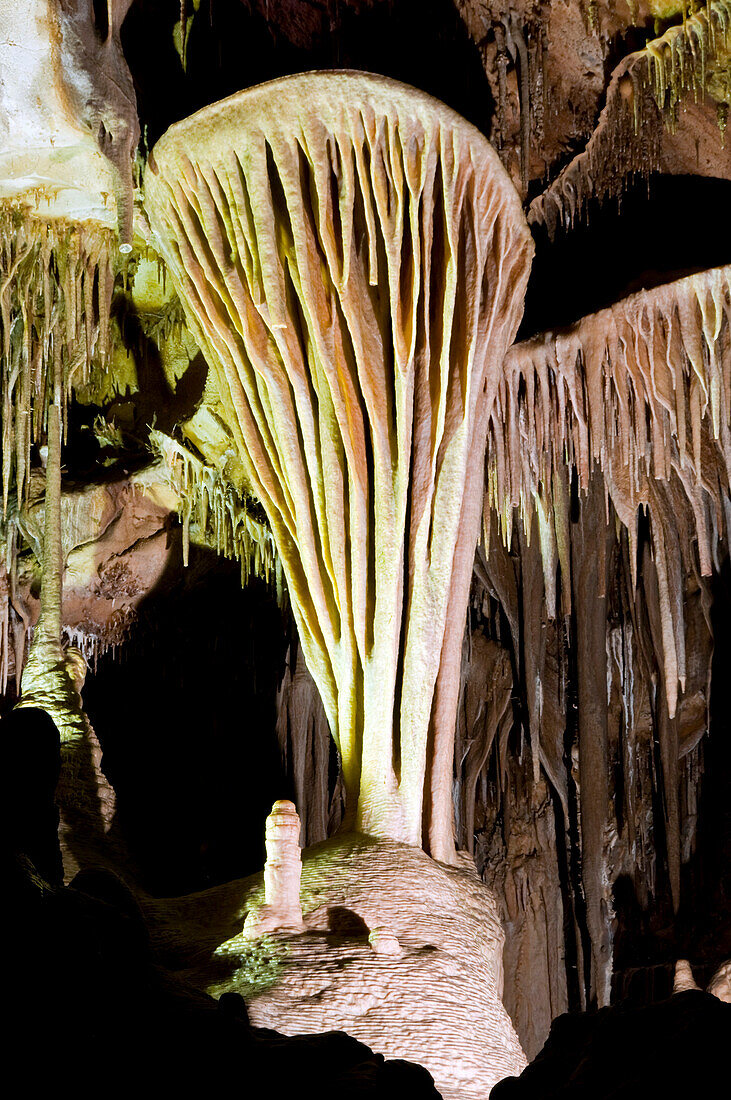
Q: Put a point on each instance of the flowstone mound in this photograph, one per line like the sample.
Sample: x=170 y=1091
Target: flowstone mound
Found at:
x=401 y=952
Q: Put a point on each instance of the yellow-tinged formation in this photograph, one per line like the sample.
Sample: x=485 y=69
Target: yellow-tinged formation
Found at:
x=352 y=259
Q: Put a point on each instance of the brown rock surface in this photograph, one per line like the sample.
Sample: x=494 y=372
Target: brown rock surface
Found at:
x=436 y=1002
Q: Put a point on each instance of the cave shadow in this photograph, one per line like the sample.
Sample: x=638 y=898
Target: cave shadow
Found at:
x=648 y=943
x=185 y=713
x=346 y=924
x=155 y=404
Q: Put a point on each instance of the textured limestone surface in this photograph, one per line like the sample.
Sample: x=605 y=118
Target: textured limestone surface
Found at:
x=115 y=549
x=436 y=1002
x=352 y=259
x=720 y=983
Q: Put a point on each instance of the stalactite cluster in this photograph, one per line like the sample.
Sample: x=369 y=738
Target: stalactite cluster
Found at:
x=643 y=390
x=222 y=518
x=606 y=508
x=57 y=282
x=55 y=298
x=645 y=93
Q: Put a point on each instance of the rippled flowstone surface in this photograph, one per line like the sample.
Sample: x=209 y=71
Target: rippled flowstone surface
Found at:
x=401 y=952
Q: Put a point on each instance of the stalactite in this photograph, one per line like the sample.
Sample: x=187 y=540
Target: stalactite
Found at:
x=56 y=282
x=643 y=389
x=502 y=75
x=644 y=93
x=223 y=517
x=666 y=724
x=589 y=571
x=614 y=686
x=516 y=38
x=182 y=29
x=55 y=298
x=591 y=15
x=534 y=598
x=14 y=620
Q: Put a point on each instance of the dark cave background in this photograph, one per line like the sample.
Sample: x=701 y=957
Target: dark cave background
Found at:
x=185 y=713
x=234 y=44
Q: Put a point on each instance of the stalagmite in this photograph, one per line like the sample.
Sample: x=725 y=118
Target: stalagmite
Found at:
x=385 y=942
x=282 y=910
x=684 y=980
x=352 y=259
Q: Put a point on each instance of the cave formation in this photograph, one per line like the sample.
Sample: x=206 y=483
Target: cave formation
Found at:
x=366 y=460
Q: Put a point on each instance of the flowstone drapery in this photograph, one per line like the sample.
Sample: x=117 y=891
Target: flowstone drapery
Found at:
x=353 y=260
x=632 y=404
x=642 y=389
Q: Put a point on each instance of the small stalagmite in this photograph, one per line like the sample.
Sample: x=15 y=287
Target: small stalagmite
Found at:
x=282 y=910
x=684 y=980
x=353 y=259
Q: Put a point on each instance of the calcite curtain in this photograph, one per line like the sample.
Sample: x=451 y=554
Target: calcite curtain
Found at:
x=353 y=262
